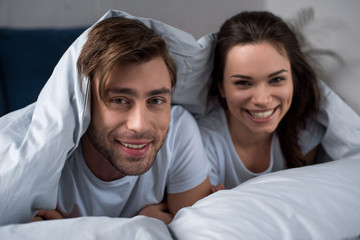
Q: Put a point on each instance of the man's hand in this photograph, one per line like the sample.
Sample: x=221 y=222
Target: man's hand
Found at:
x=218 y=187
x=47 y=215
x=159 y=211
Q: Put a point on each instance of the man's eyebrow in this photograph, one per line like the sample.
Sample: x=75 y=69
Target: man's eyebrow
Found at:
x=277 y=73
x=117 y=90
x=132 y=92
x=160 y=91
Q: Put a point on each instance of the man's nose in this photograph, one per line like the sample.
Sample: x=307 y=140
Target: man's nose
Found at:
x=137 y=121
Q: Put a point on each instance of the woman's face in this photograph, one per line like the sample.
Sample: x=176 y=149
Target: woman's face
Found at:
x=258 y=87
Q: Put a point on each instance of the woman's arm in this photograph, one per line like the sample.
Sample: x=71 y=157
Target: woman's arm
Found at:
x=310 y=156
x=179 y=200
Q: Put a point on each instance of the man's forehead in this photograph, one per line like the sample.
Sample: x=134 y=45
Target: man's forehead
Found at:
x=145 y=76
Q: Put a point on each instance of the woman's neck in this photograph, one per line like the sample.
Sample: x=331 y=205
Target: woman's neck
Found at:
x=252 y=148
x=241 y=135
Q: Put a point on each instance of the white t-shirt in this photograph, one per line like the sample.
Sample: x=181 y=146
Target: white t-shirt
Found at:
x=180 y=165
x=226 y=166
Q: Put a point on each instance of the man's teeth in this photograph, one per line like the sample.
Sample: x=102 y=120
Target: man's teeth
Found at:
x=261 y=115
x=135 y=146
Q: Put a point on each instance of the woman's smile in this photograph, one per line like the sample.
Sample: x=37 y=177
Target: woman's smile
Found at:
x=261 y=116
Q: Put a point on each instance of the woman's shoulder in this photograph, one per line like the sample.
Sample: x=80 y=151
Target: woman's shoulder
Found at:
x=213 y=127
x=214 y=120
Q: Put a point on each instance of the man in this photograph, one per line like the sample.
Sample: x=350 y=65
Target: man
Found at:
x=138 y=149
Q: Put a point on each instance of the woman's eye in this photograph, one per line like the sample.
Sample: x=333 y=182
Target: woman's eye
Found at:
x=242 y=83
x=277 y=80
x=156 y=101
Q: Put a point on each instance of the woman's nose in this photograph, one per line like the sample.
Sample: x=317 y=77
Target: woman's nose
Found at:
x=261 y=96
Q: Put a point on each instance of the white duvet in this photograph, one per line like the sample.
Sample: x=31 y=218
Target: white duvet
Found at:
x=315 y=202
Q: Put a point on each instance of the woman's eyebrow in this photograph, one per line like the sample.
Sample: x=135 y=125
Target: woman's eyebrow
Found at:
x=241 y=76
x=277 y=73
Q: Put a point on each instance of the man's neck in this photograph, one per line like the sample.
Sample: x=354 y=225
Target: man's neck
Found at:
x=97 y=163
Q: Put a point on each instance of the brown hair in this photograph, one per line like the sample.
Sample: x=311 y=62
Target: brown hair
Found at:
x=255 y=27
x=120 y=40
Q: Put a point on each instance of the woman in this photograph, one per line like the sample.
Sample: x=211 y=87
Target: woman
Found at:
x=269 y=99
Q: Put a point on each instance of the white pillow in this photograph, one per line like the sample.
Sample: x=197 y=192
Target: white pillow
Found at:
x=316 y=202
x=139 y=227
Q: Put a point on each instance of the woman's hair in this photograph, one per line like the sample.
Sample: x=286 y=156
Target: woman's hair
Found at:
x=119 y=40
x=257 y=27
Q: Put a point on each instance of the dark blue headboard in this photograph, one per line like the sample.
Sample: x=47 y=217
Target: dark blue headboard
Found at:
x=27 y=59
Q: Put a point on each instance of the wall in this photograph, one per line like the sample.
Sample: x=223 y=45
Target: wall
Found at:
x=335 y=25
x=197 y=17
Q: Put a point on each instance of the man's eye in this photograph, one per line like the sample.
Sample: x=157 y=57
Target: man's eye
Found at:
x=119 y=101
x=156 y=101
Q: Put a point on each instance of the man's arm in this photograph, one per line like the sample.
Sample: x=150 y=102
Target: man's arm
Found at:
x=47 y=215
x=179 y=200
x=159 y=211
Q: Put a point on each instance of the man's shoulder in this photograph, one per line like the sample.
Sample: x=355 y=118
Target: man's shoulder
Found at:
x=180 y=116
x=182 y=125
x=178 y=110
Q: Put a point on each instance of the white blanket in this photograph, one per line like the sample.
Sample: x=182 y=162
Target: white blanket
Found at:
x=316 y=202
x=37 y=140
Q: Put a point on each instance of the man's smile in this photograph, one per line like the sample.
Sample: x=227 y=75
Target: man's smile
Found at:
x=134 y=146
x=134 y=149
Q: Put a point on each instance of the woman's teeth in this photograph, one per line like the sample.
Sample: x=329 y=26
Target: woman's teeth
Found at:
x=261 y=115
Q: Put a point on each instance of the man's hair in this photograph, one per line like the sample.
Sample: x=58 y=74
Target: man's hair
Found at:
x=119 y=40
x=257 y=27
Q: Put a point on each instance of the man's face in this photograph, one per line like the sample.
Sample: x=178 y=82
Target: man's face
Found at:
x=131 y=129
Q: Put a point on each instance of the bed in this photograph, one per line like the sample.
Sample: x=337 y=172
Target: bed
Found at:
x=315 y=202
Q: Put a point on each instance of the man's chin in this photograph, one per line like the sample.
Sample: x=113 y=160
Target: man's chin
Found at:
x=136 y=172
x=135 y=166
